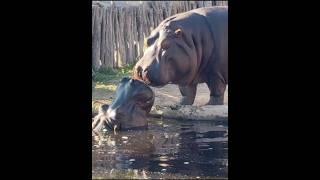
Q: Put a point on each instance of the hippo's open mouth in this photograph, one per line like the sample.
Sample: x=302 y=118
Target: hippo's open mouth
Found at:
x=103 y=122
x=112 y=124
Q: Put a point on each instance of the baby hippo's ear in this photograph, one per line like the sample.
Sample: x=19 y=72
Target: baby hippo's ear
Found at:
x=178 y=32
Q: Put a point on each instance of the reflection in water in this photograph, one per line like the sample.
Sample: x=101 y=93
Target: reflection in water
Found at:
x=168 y=149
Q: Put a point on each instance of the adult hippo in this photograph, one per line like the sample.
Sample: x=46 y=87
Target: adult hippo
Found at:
x=133 y=102
x=187 y=49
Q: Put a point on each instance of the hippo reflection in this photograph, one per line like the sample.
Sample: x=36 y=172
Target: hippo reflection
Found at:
x=129 y=110
x=188 y=148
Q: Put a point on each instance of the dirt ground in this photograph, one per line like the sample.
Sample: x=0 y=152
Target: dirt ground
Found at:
x=167 y=95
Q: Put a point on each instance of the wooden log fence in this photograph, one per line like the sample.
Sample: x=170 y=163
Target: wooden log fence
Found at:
x=119 y=27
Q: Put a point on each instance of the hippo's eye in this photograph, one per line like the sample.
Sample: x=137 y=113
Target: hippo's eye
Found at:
x=164 y=47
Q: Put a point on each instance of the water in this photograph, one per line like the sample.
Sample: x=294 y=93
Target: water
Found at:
x=168 y=149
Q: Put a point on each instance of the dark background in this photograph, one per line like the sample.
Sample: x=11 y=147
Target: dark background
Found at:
x=272 y=88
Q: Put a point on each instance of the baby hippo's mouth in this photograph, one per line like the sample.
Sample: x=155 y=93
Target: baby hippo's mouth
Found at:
x=112 y=124
x=101 y=122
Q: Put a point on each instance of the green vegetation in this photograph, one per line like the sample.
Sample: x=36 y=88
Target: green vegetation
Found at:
x=106 y=80
x=105 y=75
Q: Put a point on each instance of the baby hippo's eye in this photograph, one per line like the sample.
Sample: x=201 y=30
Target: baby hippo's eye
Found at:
x=144 y=99
x=141 y=103
x=144 y=103
x=149 y=101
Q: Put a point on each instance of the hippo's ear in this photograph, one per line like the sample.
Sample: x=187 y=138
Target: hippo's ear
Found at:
x=178 y=32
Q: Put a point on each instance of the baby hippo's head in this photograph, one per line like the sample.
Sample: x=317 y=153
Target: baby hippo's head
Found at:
x=132 y=103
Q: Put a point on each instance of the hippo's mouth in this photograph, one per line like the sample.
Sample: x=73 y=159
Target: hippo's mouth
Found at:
x=103 y=122
x=135 y=128
x=112 y=124
x=155 y=84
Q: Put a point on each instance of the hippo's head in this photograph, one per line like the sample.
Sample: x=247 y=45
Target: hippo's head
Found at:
x=169 y=57
x=132 y=103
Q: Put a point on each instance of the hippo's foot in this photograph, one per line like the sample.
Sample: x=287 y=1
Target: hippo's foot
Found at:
x=216 y=100
x=186 y=100
x=188 y=94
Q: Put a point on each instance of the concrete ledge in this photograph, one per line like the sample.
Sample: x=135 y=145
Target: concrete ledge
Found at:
x=209 y=112
x=187 y=112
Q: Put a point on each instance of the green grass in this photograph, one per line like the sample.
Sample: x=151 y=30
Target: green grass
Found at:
x=105 y=75
x=105 y=82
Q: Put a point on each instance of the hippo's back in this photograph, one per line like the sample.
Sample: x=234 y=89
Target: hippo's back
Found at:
x=217 y=18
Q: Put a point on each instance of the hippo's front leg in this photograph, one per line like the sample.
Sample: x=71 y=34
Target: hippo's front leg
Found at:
x=216 y=100
x=217 y=89
x=188 y=94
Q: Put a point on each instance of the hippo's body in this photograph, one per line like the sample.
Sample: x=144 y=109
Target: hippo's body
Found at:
x=187 y=49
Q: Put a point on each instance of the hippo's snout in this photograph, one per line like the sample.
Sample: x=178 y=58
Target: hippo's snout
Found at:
x=112 y=119
x=142 y=74
x=138 y=72
x=129 y=109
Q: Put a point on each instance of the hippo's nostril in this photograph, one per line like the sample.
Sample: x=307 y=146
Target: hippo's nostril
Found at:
x=139 y=72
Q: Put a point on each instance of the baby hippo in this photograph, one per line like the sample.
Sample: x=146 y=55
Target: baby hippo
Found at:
x=129 y=110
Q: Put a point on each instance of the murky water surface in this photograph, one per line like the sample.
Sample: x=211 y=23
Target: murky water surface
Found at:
x=168 y=149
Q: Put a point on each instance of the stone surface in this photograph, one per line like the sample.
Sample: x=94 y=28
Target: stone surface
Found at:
x=208 y=112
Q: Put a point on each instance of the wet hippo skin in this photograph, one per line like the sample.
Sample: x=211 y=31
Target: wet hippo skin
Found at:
x=130 y=108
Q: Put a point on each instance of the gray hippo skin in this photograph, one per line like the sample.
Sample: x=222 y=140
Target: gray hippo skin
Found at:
x=129 y=110
x=187 y=49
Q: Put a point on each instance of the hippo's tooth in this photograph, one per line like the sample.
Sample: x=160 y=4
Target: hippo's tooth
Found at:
x=111 y=114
